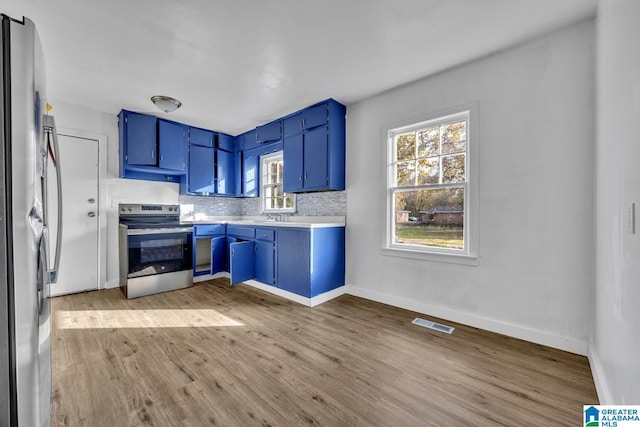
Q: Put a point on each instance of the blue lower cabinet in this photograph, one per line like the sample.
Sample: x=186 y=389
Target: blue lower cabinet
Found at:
x=310 y=262
x=293 y=261
x=265 y=262
x=241 y=261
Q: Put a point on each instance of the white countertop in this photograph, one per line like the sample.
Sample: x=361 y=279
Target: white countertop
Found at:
x=261 y=221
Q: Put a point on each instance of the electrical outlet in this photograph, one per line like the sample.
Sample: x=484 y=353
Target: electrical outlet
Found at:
x=630 y=220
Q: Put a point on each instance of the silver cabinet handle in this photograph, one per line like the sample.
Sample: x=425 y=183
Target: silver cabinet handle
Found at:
x=91 y=214
x=91 y=200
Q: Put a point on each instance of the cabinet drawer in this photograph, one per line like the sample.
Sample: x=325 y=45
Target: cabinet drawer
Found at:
x=209 y=229
x=246 y=232
x=265 y=234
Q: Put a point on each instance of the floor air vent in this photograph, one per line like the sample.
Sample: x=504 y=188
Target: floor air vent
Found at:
x=435 y=326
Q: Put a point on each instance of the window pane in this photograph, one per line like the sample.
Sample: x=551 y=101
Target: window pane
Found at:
x=288 y=201
x=454 y=138
x=406 y=146
x=428 y=171
x=430 y=217
x=280 y=172
x=453 y=168
x=429 y=142
x=406 y=174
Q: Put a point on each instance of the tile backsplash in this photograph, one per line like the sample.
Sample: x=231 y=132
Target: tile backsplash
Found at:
x=329 y=203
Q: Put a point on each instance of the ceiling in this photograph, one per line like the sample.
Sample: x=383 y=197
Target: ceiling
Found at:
x=237 y=64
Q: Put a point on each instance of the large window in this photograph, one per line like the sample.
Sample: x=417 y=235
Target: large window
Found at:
x=429 y=186
x=274 y=199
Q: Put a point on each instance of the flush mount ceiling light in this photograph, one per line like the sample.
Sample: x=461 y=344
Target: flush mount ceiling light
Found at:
x=166 y=103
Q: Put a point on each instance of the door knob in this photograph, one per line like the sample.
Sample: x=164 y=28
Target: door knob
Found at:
x=91 y=200
x=91 y=214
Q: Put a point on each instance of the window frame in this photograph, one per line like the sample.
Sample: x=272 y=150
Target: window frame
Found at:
x=467 y=255
x=264 y=160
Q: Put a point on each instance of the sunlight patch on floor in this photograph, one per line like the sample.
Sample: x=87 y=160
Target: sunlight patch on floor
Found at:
x=97 y=319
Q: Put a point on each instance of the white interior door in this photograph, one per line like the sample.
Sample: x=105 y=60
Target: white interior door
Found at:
x=80 y=197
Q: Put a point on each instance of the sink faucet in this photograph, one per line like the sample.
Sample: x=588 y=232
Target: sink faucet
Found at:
x=270 y=217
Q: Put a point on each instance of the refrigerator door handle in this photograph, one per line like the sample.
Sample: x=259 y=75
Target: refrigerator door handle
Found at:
x=52 y=135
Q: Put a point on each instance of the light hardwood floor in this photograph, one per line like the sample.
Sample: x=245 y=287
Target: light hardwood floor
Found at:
x=217 y=355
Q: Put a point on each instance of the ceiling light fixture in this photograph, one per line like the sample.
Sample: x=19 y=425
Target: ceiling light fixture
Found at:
x=166 y=103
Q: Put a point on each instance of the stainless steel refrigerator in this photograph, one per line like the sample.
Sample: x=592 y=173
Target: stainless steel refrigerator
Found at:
x=28 y=148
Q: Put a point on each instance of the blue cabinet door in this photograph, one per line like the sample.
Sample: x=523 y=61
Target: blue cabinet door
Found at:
x=141 y=140
x=251 y=174
x=241 y=261
x=249 y=140
x=292 y=124
x=172 y=139
x=316 y=172
x=226 y=142
x=218 y=254
x=293 y=157
x=225 y=173
x=201 y=170
x=315 y=116
x=201 y=137
x=265 y=269
x=293 y=261
x=269 y=132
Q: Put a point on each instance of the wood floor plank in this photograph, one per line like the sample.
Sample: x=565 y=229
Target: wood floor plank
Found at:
x=236 y=356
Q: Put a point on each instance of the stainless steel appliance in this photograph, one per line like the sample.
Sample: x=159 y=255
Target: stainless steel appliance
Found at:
x=155 y=250
x=28 y=146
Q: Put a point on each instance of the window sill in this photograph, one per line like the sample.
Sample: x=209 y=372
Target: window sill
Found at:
x=431 y=256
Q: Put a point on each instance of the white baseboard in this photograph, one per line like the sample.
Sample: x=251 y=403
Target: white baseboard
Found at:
x=597 y=371
x=516 y=331
x=309 y=302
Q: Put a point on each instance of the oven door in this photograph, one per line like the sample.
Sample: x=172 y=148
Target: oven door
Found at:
x=158 y=251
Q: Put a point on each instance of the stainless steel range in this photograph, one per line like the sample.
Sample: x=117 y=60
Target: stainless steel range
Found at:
x=155 y=250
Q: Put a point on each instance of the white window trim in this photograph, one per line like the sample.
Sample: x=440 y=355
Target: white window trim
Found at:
x=468 y=256
x=263 y=199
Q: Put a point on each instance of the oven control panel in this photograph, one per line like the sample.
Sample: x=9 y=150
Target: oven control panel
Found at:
x=140 y=209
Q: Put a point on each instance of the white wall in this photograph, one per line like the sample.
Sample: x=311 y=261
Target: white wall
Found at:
x=113 y=189
x=615 y=350
x=536 y=145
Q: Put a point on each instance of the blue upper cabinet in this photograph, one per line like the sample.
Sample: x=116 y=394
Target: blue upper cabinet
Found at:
x=309 y=118
x=140 y=133
x=201 y=137
x=172 y=140
x=211 y=172
x=269 y=132
x=314 y=148
x=226 y=142
x=200 y=179
x=225 y=173
x=143 y=155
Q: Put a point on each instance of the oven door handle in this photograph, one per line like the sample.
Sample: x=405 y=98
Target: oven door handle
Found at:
x=146 y=231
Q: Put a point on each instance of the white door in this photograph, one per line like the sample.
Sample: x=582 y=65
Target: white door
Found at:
x=79 y=259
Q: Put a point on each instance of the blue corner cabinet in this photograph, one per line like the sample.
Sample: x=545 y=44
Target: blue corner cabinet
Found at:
x=314 y=148
x=150 y=148
x=211 y=167
x=209 y=243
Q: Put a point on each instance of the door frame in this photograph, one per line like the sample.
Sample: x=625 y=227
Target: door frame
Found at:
x=102 y=196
